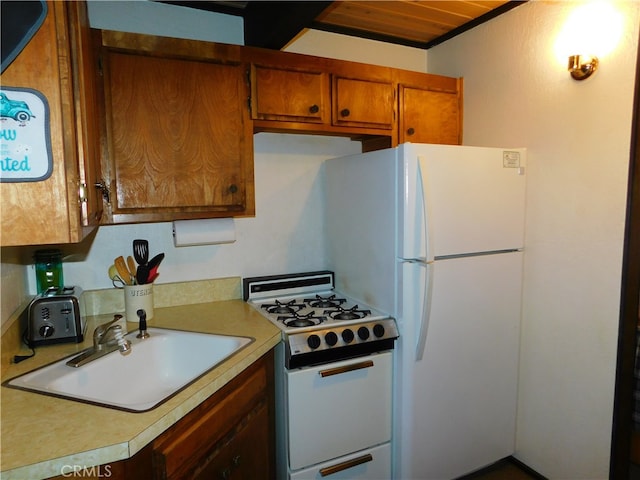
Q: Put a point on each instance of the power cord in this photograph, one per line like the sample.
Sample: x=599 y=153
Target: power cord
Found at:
x=21 y=358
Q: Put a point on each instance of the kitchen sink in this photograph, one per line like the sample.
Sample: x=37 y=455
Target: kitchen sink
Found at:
x=157 y=368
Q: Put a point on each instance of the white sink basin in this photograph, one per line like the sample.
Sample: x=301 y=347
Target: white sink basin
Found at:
x=157 y=368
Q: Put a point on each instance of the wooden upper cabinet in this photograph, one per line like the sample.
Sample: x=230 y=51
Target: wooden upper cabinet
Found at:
x=431 y=115
x=180 y=143
x=363 y=103
x=50 y=210
x=289 y=94
x=377 y=105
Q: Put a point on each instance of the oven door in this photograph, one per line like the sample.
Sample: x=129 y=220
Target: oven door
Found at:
x=338 y=408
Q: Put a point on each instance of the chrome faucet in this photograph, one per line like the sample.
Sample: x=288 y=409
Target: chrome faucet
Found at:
x=106 y=339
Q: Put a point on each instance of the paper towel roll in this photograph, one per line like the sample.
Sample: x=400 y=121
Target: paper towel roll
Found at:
x=209 y=231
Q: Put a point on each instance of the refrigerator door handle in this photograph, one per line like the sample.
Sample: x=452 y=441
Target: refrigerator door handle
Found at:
x=425 y=198
x=425 y=311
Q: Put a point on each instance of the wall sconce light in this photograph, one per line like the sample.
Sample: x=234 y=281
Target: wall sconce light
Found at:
x=582 y=66
x=592 y=26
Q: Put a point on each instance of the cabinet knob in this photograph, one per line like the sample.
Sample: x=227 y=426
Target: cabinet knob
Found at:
x=411 y=131
x=225 y=474
x=233 y=188
x=314 y=109
x=345 y=112
x=236 y=461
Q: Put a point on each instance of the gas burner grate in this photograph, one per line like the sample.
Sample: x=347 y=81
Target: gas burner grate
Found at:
x=295 y=320
x=283 y=308
x=353 y=313
x=324 y=302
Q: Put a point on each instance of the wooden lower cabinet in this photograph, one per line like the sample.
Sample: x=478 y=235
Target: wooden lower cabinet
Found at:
x=229 y=436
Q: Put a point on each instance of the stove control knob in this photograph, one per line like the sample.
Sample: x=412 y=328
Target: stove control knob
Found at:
x=347 y=335
x=313 y=341
x=363 y=333
x=378 y=330
x=331 y=338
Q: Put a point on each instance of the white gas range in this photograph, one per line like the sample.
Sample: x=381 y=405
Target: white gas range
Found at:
x=319 y=324
x=335 y=351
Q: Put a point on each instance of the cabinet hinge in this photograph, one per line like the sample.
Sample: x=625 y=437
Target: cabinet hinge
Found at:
x=248 y=73
x=104 y=190
x=82 y=193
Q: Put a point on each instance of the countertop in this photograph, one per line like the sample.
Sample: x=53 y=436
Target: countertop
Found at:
x=42 y=434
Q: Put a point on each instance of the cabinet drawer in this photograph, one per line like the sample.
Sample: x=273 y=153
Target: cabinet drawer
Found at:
x=365 y=465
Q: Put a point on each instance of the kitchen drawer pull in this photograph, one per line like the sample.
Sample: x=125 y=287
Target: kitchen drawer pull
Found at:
x=346 y=368
x=325 y=472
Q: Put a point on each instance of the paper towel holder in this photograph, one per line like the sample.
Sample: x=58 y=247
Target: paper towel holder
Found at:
x=208 y=231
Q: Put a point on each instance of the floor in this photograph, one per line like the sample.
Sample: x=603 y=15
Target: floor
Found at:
x=507 y=469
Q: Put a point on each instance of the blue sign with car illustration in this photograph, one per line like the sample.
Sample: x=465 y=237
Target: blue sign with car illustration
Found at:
x=25 y=142
x=16 y=109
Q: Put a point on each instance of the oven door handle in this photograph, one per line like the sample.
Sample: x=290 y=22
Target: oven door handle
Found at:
x=346 y=368
x=339 y=467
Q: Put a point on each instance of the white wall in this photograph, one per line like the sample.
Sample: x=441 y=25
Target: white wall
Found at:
x=578 y=136
x=341 y=47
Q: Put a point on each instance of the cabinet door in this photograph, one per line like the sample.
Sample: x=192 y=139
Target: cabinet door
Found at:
x=237 y=457
x=180 y=142
x=85 y=80
x=230 y=435
x=45 y=211
x=428 y=116
x=363 y=103
x=290 y=95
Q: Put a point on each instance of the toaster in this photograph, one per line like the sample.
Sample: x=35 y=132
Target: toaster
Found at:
x=56 y=316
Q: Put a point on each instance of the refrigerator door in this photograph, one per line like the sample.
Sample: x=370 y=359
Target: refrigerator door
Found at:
x=455 y=408
x=459 y=200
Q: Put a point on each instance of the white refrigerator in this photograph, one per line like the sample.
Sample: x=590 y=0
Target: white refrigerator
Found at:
x=434 y=235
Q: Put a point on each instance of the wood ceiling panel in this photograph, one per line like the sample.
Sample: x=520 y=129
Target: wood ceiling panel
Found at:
x=418 y=21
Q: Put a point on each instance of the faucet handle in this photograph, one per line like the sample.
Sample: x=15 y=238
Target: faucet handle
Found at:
x=101 y=329
x=116 y=317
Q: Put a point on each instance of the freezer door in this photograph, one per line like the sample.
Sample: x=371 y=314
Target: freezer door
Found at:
x=455 y=407
x=458 y=200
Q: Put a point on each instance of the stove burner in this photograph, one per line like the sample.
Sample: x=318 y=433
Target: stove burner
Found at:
x=352 y=313
x=325 y=302
x=295 y=320
x=279 y=307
